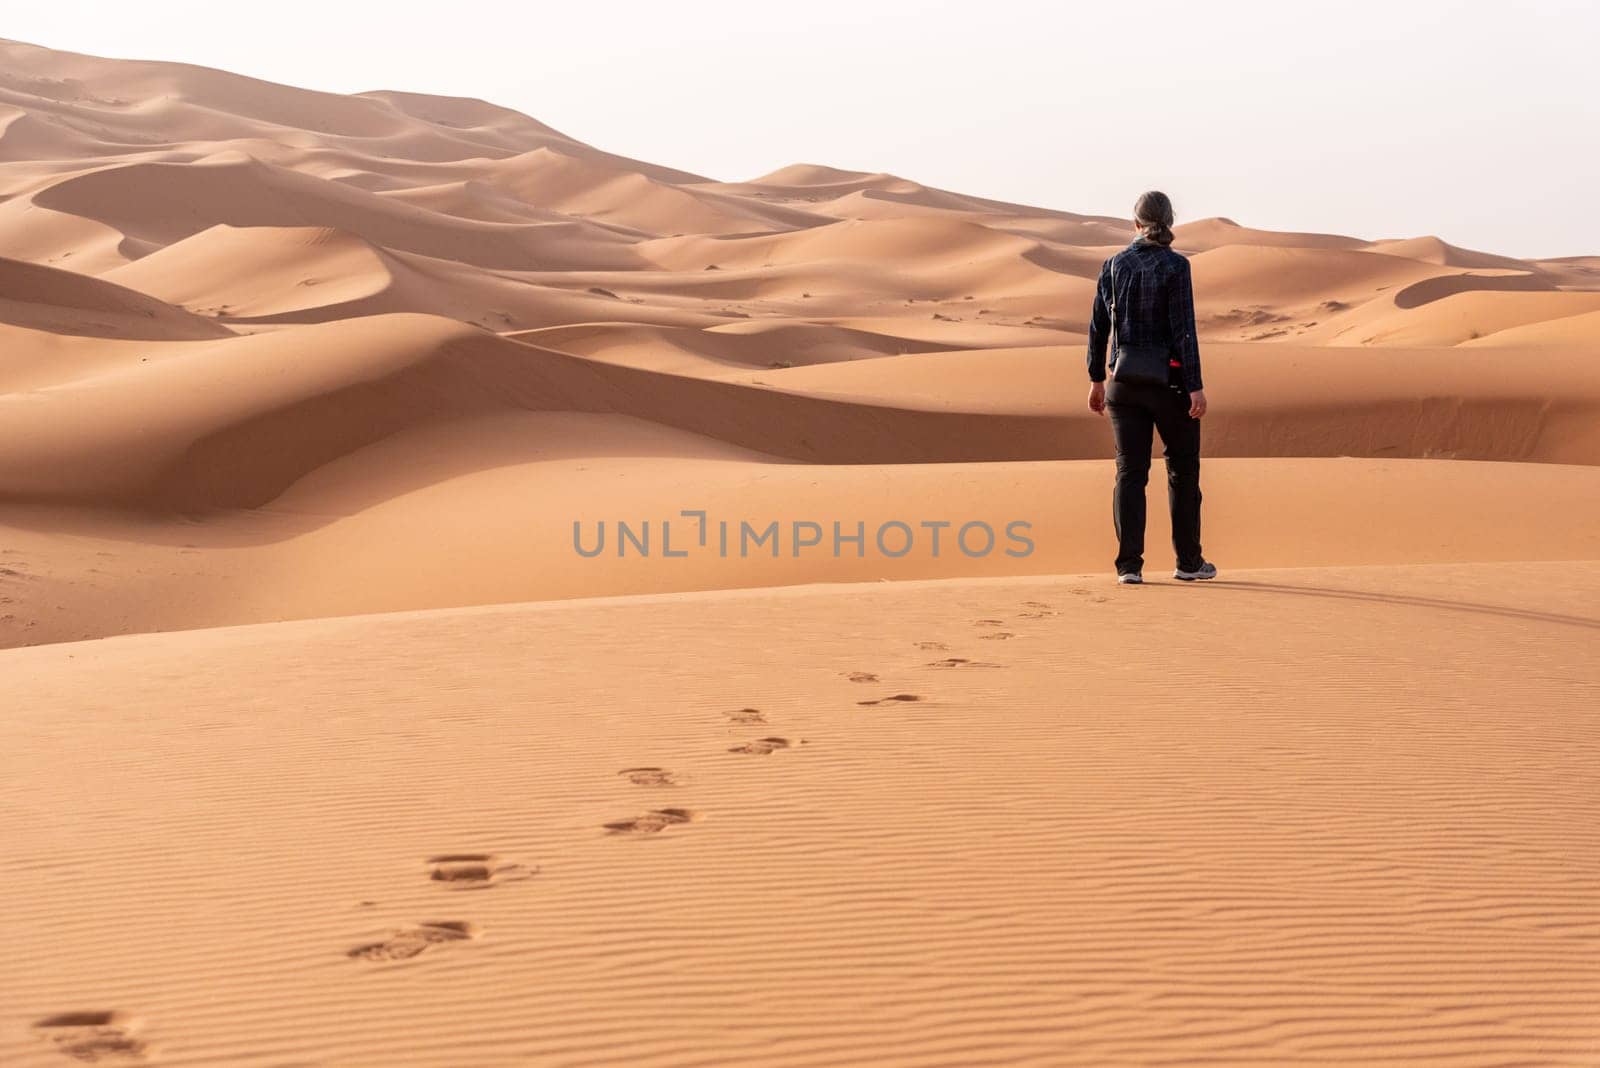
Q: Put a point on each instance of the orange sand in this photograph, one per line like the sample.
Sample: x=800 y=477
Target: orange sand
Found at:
x=273 y=362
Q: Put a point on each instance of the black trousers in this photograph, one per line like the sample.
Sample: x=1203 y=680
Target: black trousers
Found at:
x=1135 y=411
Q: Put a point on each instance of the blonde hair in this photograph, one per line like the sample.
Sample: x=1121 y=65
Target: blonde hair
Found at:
x=1152 y=214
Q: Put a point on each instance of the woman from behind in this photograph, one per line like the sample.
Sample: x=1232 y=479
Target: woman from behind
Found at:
x=1144 y=313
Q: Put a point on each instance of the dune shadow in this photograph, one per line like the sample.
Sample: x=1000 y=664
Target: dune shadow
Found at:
x=1431 y=289
x=1504 y=611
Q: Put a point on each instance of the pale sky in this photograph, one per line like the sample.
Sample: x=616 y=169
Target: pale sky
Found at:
x=1475 y=120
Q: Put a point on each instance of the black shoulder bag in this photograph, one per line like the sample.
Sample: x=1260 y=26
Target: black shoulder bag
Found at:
x=1135 y=365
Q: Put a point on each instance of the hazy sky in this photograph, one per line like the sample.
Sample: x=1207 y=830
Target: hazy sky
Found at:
x=1475 y=120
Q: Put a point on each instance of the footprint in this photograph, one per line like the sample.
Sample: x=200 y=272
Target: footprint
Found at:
x=1034 y=604
x=761 y=746
x=932 y=647
x=892 y=697
x=408 y=942
x=988 y=623
x=746 y=715
x=956 y=661
x=94 y=1036
x=860 y=676
x=653 y=822
x=997 y=636
x=1036 y=613
x=474 y=871
x=650 y=777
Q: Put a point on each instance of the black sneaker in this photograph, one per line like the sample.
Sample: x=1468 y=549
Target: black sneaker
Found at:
x=1131 y=578
x=1204 y=571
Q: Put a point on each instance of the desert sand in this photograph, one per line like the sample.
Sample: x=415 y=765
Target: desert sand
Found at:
x=323 y=745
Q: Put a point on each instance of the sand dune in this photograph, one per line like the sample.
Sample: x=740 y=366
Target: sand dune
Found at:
x=61 y=302
x=1293 y=290
x=821 y=182
x=274 y=275
x=922 y=244
x=96 y=108
x=484 y=512
x=198 y=429
x=1458 y=317
x=1432 y=250
x=762 y=343
x=429 y=838
x=1206 y=234
x=1571 y=332
x=257 y=272
x=156 y=204
x=590 y=189
x=1573 y=272
x=281 y=357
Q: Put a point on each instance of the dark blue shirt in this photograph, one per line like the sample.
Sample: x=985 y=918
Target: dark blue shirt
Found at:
x=1155 y=306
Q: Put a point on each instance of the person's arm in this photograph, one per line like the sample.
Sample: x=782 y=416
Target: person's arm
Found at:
x=1099 y=327
x=1185 y=343
x=1180 y=318
x=1099 y=336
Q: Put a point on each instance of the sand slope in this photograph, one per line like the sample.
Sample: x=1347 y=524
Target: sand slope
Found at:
x=471 y=517
x=1348 y=831
x=61 y=302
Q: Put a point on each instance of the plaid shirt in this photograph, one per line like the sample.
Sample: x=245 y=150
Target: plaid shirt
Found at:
x=1155 y=306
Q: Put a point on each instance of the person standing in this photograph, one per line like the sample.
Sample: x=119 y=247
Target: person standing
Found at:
x=1143 y=311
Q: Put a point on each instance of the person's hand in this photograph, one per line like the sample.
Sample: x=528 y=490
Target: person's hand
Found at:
x=1097 y=397
x=1197 y=404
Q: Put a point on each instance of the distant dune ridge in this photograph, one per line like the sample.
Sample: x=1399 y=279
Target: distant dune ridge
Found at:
x=273 y=356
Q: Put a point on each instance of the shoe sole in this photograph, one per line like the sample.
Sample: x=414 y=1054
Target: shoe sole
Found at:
x=1192 y=577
